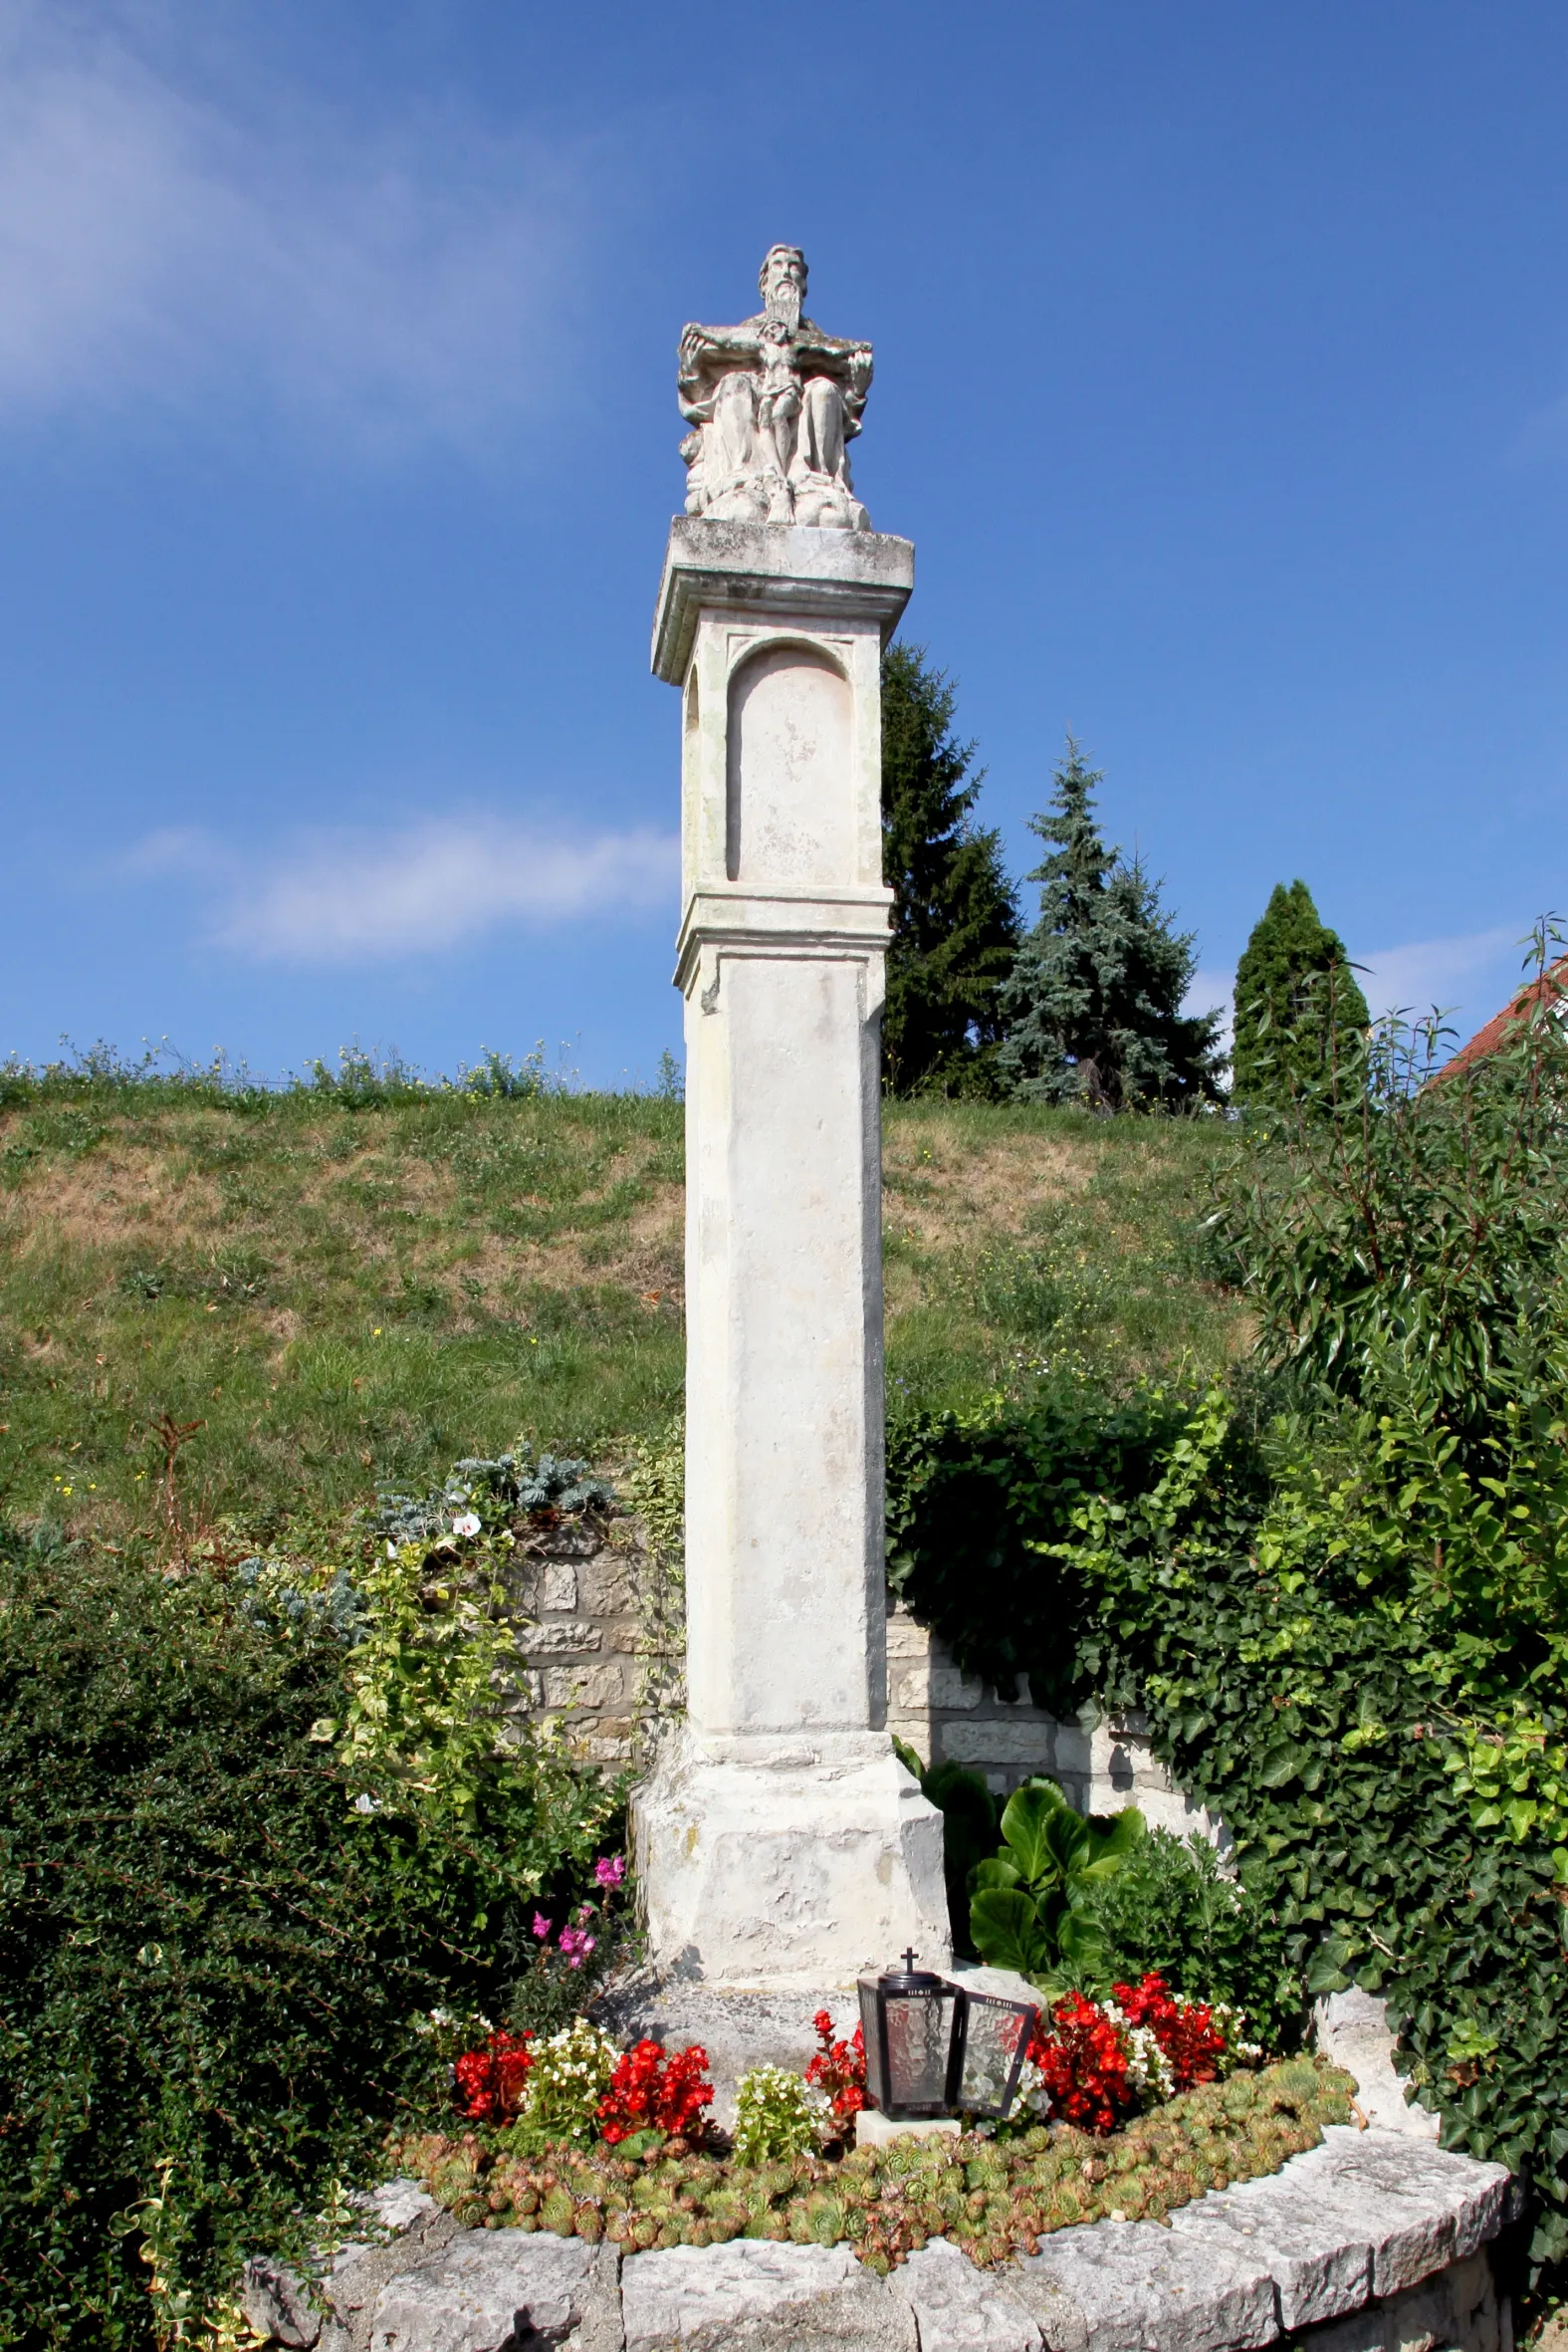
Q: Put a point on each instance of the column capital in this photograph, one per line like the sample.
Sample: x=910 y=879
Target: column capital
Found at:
x=791 y=571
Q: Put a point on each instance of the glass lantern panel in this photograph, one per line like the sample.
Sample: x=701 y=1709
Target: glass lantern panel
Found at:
x=993 y=2046
x=919 y=2045
x=871 y=2034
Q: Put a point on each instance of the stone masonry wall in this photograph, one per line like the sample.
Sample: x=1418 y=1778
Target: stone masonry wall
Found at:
x=601 y=1659
x=600 y=1643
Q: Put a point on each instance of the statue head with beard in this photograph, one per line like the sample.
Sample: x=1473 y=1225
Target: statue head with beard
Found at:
x=781 y=279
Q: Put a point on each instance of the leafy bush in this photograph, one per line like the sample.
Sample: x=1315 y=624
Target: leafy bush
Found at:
x=1171 y=1911
x=969 y=1493
x=1401 y=1230
x=1030 y=1905
x=1348 y=1625
x=218 y=1933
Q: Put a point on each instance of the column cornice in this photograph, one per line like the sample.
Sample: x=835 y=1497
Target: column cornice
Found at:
x=785 y=571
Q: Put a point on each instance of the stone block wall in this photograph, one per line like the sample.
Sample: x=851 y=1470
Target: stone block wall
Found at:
x=599 y=1655
x=946 y=1714
x=599 y=1637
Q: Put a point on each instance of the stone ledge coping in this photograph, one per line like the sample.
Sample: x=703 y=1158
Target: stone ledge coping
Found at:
x=1369 y=2242
x=778 y=569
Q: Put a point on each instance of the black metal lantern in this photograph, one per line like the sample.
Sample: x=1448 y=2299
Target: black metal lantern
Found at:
x=913 y=2022
x=936 y=2049
x=995 y=2039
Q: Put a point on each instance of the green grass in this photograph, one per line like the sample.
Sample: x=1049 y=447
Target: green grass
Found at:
x=343 y=1295
x=1024 y=1244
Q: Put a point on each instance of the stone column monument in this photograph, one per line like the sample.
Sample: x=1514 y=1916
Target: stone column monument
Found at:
x=779 y=1841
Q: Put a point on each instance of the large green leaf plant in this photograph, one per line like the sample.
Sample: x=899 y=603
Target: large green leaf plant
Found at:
x=1030 y=1902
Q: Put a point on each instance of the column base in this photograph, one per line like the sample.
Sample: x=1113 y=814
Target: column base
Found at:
x=779 y=1863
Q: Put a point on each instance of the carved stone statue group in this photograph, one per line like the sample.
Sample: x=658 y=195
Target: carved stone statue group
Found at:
x=773 y=405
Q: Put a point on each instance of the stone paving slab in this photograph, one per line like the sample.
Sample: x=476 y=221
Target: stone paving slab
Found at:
x=753 y=2295
x=1457 y=2311
x=1134 y=2285
x=1422 y=2206
x=500 y=2291
x=958 y=2309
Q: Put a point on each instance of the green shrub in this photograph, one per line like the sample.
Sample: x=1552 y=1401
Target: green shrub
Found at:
x=1030 y=1906
x=212 y=1965
x=1171 y=1909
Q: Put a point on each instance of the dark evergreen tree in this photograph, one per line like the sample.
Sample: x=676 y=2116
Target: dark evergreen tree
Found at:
x=1296 y=997
x=1094 y=1006
x=955 y=916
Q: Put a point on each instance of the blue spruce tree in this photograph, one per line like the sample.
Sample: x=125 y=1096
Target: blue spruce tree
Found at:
x=1092 y=1010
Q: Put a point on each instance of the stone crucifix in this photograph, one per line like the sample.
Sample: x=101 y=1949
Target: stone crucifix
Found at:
x=779 y=1841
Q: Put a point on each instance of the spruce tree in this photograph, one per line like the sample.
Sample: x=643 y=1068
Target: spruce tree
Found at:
x=955 y=917
x=1094 y=1006
x=1296 y=1000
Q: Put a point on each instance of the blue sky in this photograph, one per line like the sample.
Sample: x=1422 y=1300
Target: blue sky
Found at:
x=1221 y=383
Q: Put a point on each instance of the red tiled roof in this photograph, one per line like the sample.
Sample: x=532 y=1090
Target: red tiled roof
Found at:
x=1553 y=983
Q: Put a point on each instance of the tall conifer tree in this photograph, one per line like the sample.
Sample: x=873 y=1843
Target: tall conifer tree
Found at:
x=955 y=917
x=1297 y=1004
x=1094 y=1006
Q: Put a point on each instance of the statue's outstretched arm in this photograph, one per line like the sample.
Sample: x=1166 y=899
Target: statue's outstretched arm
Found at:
x=715 y=343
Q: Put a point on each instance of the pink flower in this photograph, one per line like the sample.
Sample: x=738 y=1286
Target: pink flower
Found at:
x=542 y=1926
x=609 y=1870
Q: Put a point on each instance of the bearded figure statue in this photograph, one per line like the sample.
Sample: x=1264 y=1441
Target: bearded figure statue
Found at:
x=774 y=404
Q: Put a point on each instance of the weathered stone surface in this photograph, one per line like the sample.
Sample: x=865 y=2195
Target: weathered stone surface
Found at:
x=958 y=2309
x=755 y=2296
x=1353 y=2030
x=1457 y=2311
x=1422 y=2206
x=399 y=2205
x=1135 y=2285
x=563 y=1635
x=1317 y=2244
x=558 y=1584
x=737 y=2030
x=503 y=2290
x=279 y=2305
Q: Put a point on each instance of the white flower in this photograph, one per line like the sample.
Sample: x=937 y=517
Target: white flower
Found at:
x=367 y=1803
x=466 y=1524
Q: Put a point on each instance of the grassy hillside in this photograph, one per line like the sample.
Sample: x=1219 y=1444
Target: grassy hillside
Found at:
x=347 y=1295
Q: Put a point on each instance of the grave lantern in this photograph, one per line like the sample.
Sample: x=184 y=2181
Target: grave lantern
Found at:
x=996 y=2037
x=936 y=2049
x=913 y=2022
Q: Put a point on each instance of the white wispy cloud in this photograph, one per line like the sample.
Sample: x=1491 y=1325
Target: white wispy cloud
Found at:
x=1442 y=972
x=346 y=898
x=163 y=246
x=1468 y=976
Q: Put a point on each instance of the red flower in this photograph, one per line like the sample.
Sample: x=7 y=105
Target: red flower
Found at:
x=1184 y=2029
x=1084 y=2064
x=490 y=2080
x=838 y=2068
x=654 y=2089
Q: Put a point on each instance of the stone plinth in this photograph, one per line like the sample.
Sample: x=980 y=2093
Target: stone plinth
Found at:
x=779 y=1840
